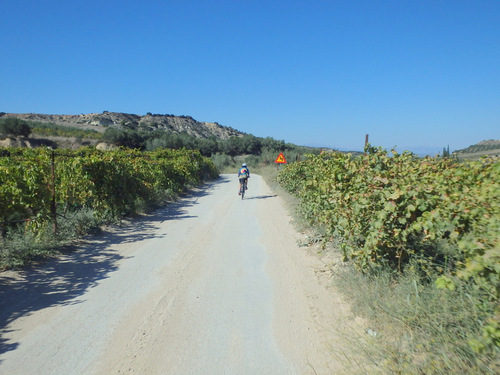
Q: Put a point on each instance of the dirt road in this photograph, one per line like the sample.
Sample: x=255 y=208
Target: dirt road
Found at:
x=209 y=285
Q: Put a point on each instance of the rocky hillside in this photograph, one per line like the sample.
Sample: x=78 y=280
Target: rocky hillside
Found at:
x=485 y=148
x=101 y=121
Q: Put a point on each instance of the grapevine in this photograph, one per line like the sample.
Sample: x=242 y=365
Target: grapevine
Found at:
x=392 y=210
x=110 y=183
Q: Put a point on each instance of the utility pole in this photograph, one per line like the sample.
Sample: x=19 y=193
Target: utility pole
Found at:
x=366 y=140
x=53 y=209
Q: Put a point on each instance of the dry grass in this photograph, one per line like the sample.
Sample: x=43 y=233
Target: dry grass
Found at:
x=419 y=329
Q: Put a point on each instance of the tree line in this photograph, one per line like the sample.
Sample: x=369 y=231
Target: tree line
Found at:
x=246 y=144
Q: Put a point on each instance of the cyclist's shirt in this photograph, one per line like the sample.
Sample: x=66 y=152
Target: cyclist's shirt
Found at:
x=244 y=172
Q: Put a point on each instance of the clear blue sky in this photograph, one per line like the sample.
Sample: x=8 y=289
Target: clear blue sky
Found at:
x=419 y=75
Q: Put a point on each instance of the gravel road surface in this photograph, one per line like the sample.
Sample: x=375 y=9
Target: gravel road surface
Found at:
x=211 y=284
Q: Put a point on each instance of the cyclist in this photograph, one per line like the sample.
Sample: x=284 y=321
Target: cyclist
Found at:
x=243 y=175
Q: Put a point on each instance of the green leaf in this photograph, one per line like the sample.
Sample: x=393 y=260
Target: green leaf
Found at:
x=444 y=282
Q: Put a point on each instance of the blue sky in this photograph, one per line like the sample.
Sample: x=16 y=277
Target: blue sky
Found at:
x=419 y=75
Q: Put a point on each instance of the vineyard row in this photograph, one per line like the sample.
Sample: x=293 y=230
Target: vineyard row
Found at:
x=397 y=211
x=35 y=183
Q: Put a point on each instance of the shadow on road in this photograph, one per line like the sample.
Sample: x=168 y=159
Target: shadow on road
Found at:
x=58 y=282
x=262 y=197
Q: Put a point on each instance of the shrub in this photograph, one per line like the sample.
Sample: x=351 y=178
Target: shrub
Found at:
x=15 y=127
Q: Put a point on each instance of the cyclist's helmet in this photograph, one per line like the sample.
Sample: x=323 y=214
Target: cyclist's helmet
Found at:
x=244 y=164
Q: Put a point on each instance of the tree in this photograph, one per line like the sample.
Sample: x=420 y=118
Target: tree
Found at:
x=251 y=144
x=273 y=145
x=446 y=152
x=232 y=146
x=126 y=138
x=15 y=127
x=208 y=146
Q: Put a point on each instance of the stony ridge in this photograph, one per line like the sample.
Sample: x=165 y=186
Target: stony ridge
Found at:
x=101 y=121
x=491 y=144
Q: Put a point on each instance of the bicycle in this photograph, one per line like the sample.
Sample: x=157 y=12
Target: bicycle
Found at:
x=243 y=188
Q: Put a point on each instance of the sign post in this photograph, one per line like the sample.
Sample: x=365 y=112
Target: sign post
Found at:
x=280 y=160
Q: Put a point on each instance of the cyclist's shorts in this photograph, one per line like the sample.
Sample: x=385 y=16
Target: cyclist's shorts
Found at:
x=243 y=180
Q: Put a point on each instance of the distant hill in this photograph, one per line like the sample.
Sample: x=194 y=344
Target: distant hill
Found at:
x=109 y=130
x=101 y=121
x=485 y=148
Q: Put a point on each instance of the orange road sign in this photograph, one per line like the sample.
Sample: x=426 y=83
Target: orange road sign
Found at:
x=280 y=159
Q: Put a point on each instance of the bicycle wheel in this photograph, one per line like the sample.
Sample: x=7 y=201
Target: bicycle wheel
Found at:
x=242 y=190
